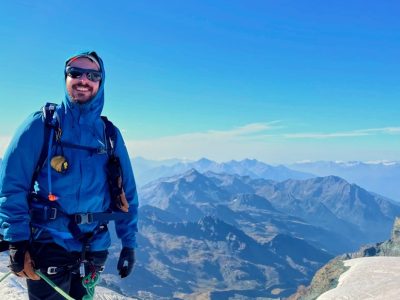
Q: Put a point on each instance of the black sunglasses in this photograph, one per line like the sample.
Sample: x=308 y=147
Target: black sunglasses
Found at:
x=75 y=72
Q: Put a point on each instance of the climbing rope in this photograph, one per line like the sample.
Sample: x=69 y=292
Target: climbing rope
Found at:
x=5 y=276
x=51 y=283
x=54 y=286
x=89 y=282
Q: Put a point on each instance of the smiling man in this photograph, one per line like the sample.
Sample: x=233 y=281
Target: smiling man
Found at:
x=83 y=78
x=65 y=175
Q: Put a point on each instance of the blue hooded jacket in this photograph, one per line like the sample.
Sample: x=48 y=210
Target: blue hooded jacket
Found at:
x=82 y=188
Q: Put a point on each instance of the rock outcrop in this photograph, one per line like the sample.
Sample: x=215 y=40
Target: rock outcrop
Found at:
x=327 y=277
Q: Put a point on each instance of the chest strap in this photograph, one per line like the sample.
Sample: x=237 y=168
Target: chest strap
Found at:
x=48 y=213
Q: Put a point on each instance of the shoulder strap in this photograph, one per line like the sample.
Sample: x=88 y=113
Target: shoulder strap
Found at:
x=111 y=135
x=47 y=111
x=48 y=115
x=118 y=203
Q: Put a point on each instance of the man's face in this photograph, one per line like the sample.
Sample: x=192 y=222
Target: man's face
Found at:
x=82 y=89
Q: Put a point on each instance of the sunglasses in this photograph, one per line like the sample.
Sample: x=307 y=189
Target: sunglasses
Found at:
x=75 y=72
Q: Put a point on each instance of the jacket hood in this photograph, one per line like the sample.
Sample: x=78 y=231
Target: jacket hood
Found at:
x=90 y=110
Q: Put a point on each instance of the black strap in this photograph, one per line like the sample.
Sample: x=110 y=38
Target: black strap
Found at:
x=111 y=135
x=48 y=213
x=47 y=112
x=3 y=244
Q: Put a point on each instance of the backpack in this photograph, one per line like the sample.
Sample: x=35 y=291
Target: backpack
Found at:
x=52 y=125
x=49 y=211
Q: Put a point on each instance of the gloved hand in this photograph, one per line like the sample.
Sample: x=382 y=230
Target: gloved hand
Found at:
x=126 y=261
x=21 y=263
x=4 y=245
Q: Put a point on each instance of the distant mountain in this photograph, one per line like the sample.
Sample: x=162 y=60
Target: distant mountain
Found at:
x=182 y=258
x=283 y=225
x=214 y=195
x=146 y=170
x=329 y=203
x=379 y=177
x=143 y=163
x=333 y=203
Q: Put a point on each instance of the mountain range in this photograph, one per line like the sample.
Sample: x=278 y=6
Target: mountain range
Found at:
x=147 y=170
x=379 y=177
x=225 y=235
x=231 y=231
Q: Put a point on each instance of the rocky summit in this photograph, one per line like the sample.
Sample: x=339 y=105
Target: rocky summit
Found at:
x=327 y=277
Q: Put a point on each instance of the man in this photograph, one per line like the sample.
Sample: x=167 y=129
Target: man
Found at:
x=57 y=221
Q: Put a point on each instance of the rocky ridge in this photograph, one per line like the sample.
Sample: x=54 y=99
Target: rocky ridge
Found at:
x=327 y=277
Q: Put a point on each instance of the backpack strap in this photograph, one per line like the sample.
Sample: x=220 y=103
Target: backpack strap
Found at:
x=111 y=135
x=50 y=122
x=119 y=203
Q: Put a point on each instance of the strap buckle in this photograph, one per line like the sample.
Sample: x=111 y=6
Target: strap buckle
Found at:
x=53 y=213
x=52 y=270
x=101 y=150
x=83 y=218
x=45 y=213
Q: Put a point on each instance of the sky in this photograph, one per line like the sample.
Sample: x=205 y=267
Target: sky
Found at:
x=279 y=81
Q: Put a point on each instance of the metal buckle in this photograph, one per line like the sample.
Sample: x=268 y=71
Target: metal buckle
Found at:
x=83 y=218
x=52 y=270
x=53 y=213
x=101 y=269
x=101 y=150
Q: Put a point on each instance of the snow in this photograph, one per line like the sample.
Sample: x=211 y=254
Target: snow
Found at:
x=369 y=278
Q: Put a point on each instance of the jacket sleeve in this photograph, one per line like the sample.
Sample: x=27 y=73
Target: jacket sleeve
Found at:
x=126 y=229
x=16 y=173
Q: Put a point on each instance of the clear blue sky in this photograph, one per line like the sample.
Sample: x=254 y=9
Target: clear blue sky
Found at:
x=280 y=81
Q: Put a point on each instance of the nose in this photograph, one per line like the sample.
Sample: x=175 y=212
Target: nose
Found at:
x=84 y=78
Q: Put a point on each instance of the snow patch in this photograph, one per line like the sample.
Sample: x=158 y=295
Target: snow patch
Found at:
x=369 y=278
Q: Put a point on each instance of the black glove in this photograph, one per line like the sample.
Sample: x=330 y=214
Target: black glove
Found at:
x=126 y=261
x=17 y=255
x=4 y=245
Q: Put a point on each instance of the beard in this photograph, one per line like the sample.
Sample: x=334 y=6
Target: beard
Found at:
x=82 y=93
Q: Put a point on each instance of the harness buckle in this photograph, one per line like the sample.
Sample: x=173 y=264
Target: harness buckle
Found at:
x=101 y=150
x=52 y=270
x=53 y=213
x=83 y=218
